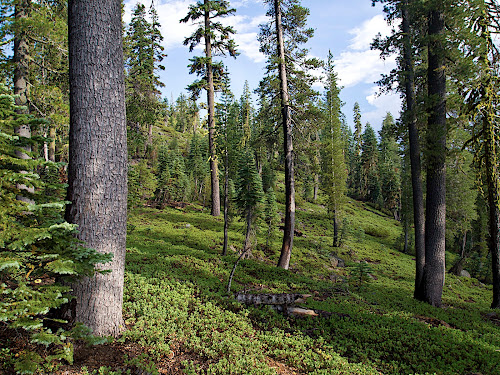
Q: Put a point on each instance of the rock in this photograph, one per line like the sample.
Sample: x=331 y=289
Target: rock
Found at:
x=464 y=273
x=336 y=261
x=297 y=311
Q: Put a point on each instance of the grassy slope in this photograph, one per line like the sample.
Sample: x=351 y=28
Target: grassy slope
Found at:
x=175 y=301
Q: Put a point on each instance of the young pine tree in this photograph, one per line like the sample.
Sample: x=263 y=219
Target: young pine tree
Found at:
x=249 y=194
x=333 y=168
x=389 y=166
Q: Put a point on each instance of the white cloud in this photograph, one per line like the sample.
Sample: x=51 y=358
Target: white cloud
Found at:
x=359 y=64
x=382 y=104
x=174 y=32
x=364 y=35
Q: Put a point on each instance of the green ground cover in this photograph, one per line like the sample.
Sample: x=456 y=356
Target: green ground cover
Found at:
x=176 y=300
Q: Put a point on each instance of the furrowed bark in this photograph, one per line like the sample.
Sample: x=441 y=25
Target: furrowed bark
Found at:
x=97 y=171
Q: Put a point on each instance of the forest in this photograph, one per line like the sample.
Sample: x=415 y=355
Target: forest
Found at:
x=260 y=234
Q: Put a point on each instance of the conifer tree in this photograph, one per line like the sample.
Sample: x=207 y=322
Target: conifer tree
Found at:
x=389 y=167
x=333 y=169
x=355 y=162
x=144 y=54
x=218 y=41
x=288 y=83
x=228 y=144
x=483 y=102
x=249 y=194
x=435 y=208
x=370 y=185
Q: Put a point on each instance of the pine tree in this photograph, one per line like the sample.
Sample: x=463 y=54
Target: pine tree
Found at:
x=143 y=58
x=217 y=41
x=355 y=167
x=389 y=167
x=249 y=194
x=333 y=169
x=288 y=83
x=370 y=185
x=228 y=142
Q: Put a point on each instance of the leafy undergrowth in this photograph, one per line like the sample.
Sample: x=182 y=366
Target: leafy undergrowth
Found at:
x=178 y=313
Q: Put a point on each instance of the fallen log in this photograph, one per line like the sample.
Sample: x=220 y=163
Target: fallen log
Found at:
x=271 y=298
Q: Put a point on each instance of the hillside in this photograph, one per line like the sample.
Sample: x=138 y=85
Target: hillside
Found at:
x=180 y=318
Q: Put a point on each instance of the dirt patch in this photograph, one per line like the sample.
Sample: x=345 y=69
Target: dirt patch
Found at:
x=281 y=368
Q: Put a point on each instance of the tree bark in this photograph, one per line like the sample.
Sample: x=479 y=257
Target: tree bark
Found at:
x=414 y=143
x=52 y=144
x=21 y=87
x=247 y=246
x=286 y=249
x=226 y=198
x=492 y=176
x=435 y=224
x=335 y=230
x=214 y=174
x=97 y=173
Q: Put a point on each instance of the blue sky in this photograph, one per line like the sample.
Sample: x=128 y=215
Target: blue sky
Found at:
x=346 y=27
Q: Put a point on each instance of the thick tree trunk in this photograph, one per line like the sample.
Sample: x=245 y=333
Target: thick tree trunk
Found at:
x=98 y=156
x=435 y=223
x=414 y=143
x=21 y=88
x=286 y=249
x=214 y=174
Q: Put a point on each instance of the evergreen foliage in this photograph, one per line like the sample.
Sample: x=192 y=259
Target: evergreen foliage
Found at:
x=173 y=183
x=38 y=250
x=143 y=54
x=389 y=164
x=141 y=184
x=333 y=168
x=370 y=184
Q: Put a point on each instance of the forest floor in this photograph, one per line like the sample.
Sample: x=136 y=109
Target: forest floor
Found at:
x=180 y=319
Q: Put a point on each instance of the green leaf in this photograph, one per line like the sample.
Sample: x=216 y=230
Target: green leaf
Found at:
x=62 y=267
x=45 y=338
x=9 y=263
x=28 y=363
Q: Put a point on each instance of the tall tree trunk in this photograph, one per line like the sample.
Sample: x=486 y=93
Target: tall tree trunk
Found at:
x=286 y=249
x=226 y=198
x=414 y=143
x=21 y=86
x=435 y=222
x=97 y=173
x=214 y=174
